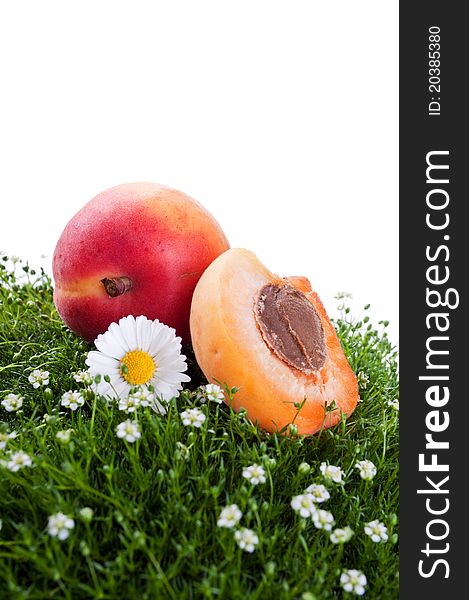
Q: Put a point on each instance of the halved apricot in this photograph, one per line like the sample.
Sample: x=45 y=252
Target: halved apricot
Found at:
x=271 y=338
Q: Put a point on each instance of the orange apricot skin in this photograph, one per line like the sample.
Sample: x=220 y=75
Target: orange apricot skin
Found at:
x=301 y=282
x=229 y=349
x=158 y=237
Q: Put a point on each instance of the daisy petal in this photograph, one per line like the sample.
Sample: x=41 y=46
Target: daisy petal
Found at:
x=162 y=337
x=172 y=377
x=122 y=389
x=117 y=334
x=111 y=343
x=100 y=363
x=143 y=333
x=129 y=331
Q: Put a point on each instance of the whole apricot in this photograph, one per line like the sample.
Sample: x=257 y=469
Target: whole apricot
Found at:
x=134 y=249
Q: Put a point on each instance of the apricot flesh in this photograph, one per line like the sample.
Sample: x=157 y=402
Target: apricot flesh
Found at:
x=230 y=348
x=134 y=249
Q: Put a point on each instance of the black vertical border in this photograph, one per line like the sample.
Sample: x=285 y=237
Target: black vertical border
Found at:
x=420 y=133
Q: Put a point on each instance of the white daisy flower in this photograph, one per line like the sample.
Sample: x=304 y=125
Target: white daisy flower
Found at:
x=394 y=404
x=12 y=402
x=214 y=393
x=354 y=581
x=229 y=516
x=340 y=536
x=318 y=491
x=323 y=519
x=129 y=431
x=332 y=472
x=304 y=505
x=138 y=352
x=4 y=437
x=254 y=474
x=366 y=468
x=72 y=400
x=193 y=416
x=38 y=378
x=246 y=538
x=377 y=531
x=18 y=460
x=60 y=525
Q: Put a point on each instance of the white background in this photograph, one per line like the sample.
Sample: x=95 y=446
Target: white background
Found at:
x=280 y=117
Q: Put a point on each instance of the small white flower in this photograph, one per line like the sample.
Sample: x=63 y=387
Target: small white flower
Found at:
x=72 y=400
x=354 y=581
x=246 y=538
x=193 y=416
x=394 y=403
x=4 y=437
x=214 y=393
x=343 y=295
x=332 y=473
x=64 y=435
x=129 y=431
x=304 y=505
x=377 y=531
x=340 y=536
x=138 y=352
x=60 y=525
x=362 y=379
x=38 y=378
x=129 y=404
x=229 y=516
x=12 y=402
x=143 y=397
x=366 y=468
x=323 y=519
x=318 y=491
x=83 y=377
x=254 y=474
x=18 y=460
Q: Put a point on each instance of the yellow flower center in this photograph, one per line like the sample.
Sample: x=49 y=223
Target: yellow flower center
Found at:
x=137 y=367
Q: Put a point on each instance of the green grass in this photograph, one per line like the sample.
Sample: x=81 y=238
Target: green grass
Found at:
x=154 y=531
